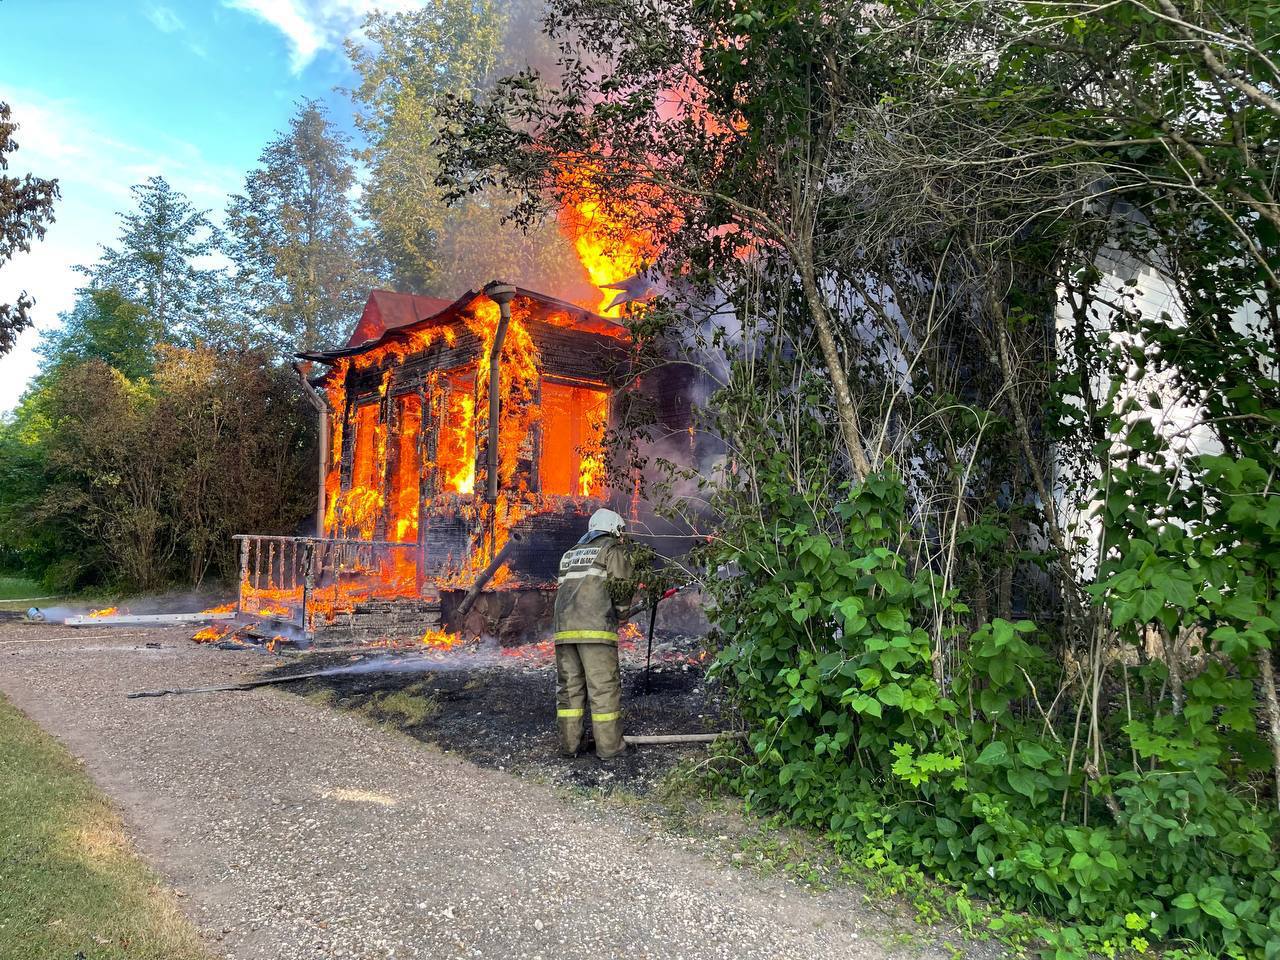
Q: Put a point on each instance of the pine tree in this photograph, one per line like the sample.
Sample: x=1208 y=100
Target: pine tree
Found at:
x=104 y=326
x=162 y=264
x=293 y=237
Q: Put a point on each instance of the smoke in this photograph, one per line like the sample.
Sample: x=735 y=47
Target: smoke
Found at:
x=478 y=243
x=177 y=601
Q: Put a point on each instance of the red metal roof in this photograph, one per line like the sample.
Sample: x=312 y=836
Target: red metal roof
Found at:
x=387 y=310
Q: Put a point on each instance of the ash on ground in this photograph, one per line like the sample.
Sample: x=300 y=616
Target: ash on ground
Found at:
x=496 y=707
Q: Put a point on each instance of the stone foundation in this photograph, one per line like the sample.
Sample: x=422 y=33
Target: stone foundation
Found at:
x=371 y=620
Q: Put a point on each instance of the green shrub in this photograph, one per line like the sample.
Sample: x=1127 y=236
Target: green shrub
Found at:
x=876 y=719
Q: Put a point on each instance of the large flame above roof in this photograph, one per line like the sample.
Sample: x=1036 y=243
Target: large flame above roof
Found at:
x=614 y=252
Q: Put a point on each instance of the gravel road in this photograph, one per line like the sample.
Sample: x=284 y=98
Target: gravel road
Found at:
x=293 y=831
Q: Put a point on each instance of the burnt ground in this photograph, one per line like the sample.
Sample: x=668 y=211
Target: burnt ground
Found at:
x=496 y=707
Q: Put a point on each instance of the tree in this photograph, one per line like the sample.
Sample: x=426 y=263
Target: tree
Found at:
x=293 y=240
x=1040 y=239
x=409 y=66
x=26 y=210
x=104 y=326
x=140 y=483
x=658 y=129
x=161 y=264
x=413 y=59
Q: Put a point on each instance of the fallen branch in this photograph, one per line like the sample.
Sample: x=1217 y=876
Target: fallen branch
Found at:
x=485 y=576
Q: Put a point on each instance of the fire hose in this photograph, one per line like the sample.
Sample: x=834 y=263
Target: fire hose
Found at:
x=652 y=606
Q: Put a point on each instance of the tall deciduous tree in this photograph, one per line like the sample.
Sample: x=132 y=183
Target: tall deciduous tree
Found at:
x=413 y=60
x=293 y=238
x=104 y=326
x=412 y=64
x=161 y=263
x=26 y=210
x=948 y=188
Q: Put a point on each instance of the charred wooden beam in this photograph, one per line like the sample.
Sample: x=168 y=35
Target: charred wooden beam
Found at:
x=317 y=400
x=486 y=575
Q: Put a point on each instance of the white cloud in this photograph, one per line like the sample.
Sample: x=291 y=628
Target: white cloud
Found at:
x=94 y=171
x=164 y=19
x=310 y=26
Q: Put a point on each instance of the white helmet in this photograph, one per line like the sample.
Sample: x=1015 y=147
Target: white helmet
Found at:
x=606 y=521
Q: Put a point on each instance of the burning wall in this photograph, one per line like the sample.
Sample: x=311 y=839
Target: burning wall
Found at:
x=408 y=418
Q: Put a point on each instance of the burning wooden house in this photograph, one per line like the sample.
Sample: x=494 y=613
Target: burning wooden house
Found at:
x=453 y=435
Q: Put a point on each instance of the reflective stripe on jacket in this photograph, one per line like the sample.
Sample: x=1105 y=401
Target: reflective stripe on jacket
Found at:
x=585 y=609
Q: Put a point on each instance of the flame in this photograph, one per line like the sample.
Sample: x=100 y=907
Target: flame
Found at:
x=222 y=608
x=573 y=425
x=231 y=633
x=105 y=612
x=609 y=246
x=402 y=455
x=456 y=457
x=213 y=632
x=440 y=639
x=543 y=650
x=405 y=491
x=362 y=504
x=336 y=397
x=631 y=632
x=616 y=214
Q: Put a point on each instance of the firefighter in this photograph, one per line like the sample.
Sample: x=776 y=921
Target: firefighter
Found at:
x=596 y=584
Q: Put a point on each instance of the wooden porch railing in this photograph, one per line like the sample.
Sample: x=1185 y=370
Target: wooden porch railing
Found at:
x=295 y=578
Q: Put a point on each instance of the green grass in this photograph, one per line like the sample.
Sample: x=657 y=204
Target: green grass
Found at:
x=19 y=588
x=399 y=710
x=405 y=708
x=70 y=885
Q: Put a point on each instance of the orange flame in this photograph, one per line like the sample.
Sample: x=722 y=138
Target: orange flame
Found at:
x=213 y=632
x=105 y=612
x=440 y=639
x=396 y=452
x=609 y=246
x=456 y=456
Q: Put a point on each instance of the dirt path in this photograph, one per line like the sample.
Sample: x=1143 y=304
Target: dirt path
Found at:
x=294 y=831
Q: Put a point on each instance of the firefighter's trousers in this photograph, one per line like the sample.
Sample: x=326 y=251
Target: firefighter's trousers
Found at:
x=589 y=672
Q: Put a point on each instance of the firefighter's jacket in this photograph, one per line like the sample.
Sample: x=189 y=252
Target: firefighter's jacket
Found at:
x=596 y=582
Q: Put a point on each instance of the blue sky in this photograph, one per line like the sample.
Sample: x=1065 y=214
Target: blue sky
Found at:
x=110 y=92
